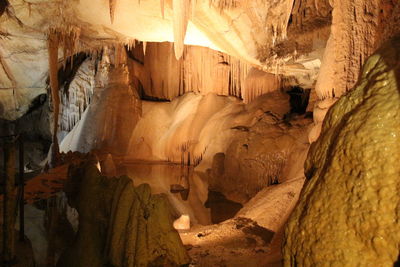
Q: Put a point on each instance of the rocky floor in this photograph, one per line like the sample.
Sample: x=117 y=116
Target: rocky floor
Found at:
x=235 y=242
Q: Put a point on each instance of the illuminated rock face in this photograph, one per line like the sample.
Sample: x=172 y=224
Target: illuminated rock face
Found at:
x=112 y=115
x=348 y=214
x=353 y=40
x=193 y=128
x=249 y=31
x=228 y=141
x=76 y=96
x=200 y=70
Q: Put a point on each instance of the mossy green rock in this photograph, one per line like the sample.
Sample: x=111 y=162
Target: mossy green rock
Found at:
x=349 y=211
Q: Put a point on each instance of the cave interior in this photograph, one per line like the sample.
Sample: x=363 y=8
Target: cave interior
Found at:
x=199 y=133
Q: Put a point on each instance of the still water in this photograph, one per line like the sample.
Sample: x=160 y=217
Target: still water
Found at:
x=185 y=189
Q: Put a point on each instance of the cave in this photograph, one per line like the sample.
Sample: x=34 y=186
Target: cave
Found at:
x=199 y=133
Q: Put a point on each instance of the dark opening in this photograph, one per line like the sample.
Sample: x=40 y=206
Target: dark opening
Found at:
x=3 y=6
x=222 y=208
x=299 y=98
x=397 y=263
x=67 y=74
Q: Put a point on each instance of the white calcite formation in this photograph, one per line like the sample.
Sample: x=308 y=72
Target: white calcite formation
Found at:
x=200 y=70
x=250 y=31
x=225 y=139
x=77 y=97
x=107 y=123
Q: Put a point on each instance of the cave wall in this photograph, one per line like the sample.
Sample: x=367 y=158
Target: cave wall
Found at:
x=23 y=61
x=35 y=128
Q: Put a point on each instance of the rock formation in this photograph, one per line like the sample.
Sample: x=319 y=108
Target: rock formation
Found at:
x=119 y=224
x=107 y=123
x=348 y=211
x=200 y=70
x=258 y=28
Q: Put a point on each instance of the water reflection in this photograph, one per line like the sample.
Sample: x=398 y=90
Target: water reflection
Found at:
x=185 y=189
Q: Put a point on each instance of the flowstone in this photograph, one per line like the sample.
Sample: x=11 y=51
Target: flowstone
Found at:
x=349 y=211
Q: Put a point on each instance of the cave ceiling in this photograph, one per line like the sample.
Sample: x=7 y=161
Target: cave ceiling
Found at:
x=283 y=36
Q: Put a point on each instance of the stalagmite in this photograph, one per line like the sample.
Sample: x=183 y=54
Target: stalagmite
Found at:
x=114 y=100
x=181 y=10
x=119 y=55
x=348 y=213
x=119 y=224
x=53 y=43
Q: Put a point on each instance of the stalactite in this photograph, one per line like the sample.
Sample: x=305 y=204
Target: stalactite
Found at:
x=186 y=150
x=30 y=9
x=144 y=48
x=53 y=44
x=118 y=55
x=226 y=4
x=181 y=10
x=79 y=94
x=202 y=70
x=162 y=5
x=112 y=4
x=69 y=41
x=130 y=43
